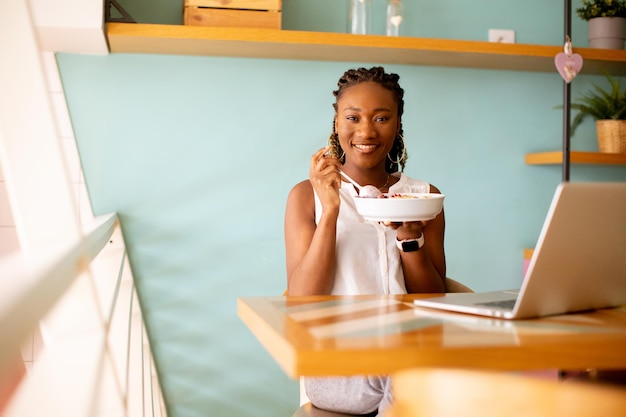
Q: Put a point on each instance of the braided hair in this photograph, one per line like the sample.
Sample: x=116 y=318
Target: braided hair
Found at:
x=397 y=155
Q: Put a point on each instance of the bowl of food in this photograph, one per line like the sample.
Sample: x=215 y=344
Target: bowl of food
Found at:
x=400 y=207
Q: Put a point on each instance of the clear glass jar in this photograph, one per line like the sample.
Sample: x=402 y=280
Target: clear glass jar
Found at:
x=395 y=15
x=360 y=17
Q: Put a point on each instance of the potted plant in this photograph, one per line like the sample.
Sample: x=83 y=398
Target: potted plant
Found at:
x=607 y=22
x=608 y=109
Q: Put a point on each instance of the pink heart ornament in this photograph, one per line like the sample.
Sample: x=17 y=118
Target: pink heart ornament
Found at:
x=568 y=65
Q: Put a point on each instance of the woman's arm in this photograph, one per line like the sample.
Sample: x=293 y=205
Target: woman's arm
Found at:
x=310 y=248
x=425 y=269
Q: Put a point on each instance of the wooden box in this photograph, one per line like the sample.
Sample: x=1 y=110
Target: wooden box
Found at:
x=233 y=13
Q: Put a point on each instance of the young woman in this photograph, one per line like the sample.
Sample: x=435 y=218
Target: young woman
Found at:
x=330 y=249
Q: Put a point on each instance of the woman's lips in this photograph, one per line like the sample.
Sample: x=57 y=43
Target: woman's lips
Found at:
x=365 y=148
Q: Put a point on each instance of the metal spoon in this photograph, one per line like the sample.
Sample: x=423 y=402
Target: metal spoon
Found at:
x=364 y=190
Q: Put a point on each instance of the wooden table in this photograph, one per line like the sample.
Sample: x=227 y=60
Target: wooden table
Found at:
x=351 y=335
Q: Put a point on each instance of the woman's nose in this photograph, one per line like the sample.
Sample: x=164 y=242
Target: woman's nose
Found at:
x=366 y=128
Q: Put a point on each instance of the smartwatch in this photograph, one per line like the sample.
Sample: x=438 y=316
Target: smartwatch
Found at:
x=410 y=245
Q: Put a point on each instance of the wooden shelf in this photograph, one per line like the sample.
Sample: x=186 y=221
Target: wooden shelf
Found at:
x=342 y=47
x=546 y=158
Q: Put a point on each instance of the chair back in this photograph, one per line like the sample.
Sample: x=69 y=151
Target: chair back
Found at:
x=455 y=286
x=427 y=392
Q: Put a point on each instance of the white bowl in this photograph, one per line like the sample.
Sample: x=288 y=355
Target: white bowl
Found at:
x=408 y=207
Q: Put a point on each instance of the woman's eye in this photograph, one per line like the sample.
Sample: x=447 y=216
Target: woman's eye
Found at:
x=351 y=118
x=382 y=119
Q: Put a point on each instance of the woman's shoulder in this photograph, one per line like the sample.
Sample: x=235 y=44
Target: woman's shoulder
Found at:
x=414 y=185
x=303 y=187
x=302 y=192
x=434 y=189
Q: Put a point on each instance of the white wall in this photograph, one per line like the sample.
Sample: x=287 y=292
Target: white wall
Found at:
x=44 y=205
x=8 y=234
x=42 y=192
x=69 y=25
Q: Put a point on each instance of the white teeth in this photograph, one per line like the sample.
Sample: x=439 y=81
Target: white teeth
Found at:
x=365 y=146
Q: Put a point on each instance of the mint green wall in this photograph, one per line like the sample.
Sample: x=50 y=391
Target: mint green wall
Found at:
x=197 y=155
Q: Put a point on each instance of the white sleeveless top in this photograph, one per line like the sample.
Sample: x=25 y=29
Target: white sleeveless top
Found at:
x=367 y=259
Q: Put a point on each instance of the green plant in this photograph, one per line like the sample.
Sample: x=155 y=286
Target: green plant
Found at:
x=601 y=8
x=600 y=104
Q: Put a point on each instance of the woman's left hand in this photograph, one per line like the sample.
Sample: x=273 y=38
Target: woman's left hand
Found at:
x=407 y=230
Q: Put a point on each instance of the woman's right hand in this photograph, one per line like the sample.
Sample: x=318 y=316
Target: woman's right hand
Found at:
x=325 y=179
x=310 y=243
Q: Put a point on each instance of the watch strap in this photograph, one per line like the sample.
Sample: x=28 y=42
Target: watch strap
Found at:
x=410 y=245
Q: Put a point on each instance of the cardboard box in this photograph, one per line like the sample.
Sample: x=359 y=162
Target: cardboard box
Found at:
x=234 y=13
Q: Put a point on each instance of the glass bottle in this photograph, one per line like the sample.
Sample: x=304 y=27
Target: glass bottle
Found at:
x=395 y=14
x=360 y=16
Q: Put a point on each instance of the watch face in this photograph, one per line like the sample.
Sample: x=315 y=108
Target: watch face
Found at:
x=410 y=246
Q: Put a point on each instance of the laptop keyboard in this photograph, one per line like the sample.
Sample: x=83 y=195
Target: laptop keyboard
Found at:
x=508 y=304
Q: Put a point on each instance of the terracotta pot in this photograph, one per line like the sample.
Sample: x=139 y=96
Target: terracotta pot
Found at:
x=606 y=32
x=611 y=136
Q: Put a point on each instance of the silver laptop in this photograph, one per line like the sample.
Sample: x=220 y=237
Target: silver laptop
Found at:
x=579 y=262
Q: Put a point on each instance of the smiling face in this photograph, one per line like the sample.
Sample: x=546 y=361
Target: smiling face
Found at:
x=367 y=123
